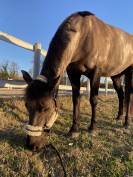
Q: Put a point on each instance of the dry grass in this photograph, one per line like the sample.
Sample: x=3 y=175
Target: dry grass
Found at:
x=108 y=152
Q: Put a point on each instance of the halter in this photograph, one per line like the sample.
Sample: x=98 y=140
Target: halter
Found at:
x=32 y=130
x=42 y=78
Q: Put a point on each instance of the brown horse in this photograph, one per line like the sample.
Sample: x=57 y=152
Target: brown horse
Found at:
x=82 y=45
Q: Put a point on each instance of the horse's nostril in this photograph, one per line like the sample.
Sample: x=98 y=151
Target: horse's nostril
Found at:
x=35 y=149
x=30 y=146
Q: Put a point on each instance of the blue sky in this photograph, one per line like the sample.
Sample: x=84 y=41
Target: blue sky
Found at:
x=37 y=20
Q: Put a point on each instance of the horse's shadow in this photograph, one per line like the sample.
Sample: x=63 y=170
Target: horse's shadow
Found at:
x=10 y=109
x=14 y=138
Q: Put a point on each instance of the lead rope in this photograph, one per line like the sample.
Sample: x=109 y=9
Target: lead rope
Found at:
x=58 y=154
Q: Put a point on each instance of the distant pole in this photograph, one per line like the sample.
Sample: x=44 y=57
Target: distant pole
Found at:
x=88 y=87
x=106 y=85
x=37 y=57
x=131 y=105
x=66 y=77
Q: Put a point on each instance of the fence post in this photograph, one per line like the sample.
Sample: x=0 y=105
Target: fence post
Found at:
x=106 y=85
x=131 y=105
x=88 y=87
x=66 y=78
x=37 y=56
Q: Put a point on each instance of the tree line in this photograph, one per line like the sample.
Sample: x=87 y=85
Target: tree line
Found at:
x=9 y=70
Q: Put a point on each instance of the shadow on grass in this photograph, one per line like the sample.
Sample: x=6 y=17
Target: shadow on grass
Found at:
x=9 y=109
x=122 y=152
x=108 y=124
x=64 y=111
x=16 y=140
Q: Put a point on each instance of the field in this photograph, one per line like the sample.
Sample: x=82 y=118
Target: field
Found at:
x=107 y=152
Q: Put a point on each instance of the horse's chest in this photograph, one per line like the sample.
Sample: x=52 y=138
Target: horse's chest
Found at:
x=80 y=67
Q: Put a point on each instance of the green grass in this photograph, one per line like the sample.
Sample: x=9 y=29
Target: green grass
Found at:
x=107 y=152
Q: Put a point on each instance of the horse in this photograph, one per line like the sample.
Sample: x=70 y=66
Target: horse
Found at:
x=82 y=45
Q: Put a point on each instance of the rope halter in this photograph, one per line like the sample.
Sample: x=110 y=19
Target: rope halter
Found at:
x=42 y=78
x=32 y=130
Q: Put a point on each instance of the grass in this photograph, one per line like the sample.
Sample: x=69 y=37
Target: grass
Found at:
x=107 y=152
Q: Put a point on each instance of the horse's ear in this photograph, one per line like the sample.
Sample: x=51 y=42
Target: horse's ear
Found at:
x=26 y=77
x=53 y=82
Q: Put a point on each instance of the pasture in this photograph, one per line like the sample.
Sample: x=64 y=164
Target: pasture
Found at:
x=107 y=152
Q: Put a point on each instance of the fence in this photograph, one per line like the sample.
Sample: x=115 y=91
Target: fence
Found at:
x=36 y=48
x=10 y=86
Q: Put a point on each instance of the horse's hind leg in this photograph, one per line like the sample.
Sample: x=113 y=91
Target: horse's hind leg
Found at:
x=128 y=94
x=117 y=82
x=94 y=84
x=75 y=82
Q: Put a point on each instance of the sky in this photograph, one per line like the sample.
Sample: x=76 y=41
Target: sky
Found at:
x=37 y=21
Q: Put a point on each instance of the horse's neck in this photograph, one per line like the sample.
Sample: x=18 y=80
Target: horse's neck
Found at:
x=52 y=68
x=55 y=65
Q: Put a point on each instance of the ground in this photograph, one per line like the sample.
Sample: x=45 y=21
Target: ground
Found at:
x=107 y=152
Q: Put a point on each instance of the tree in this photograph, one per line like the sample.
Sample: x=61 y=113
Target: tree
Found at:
x=13 y=70
x=9 y=70
x=4 y=71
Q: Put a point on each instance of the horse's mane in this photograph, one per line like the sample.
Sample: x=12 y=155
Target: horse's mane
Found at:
x=57 y=46
x=61 y=37
x=85 y=13
x=61 y=40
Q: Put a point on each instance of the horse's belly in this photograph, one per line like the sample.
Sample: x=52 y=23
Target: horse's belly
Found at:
x=117 y=68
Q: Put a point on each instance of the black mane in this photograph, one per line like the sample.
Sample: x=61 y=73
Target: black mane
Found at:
x=85 y=13
x=60 y=41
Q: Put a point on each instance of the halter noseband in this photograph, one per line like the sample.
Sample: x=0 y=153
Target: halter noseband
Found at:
x=32 y=130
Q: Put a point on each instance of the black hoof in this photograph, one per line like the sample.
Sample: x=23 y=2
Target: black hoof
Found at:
x=126 y=126
x=72 y=134
x=119 y=117
x=90 y=129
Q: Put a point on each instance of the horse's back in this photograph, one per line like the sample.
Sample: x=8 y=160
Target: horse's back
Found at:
x=102 y=45
x=85 y=42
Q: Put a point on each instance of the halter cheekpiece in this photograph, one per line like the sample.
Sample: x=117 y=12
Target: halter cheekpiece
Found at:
x=42 y=78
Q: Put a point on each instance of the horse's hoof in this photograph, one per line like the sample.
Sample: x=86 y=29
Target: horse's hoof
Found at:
x=90 y=129
x=72 y=135
x=125 y=126
x=119 y=117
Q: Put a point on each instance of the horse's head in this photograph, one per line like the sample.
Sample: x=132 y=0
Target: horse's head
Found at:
x=42 y=109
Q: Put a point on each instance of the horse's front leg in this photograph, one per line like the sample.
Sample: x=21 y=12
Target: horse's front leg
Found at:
x=94 y=84
x=75 y=82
